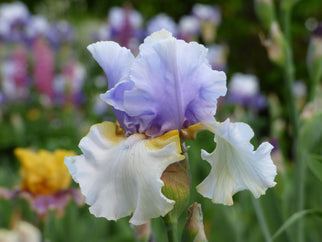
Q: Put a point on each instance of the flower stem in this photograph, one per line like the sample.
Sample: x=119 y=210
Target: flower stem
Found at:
x=314 y=83
x=172 y=229
x=289 y=72
x=261 y=219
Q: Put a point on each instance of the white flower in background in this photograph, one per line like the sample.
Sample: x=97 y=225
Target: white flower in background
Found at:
x=100 y=107
x=13 y=20
x=23 y=232
x=207 y=13
x=217 y=56
x=38 y=25
x=8 y=84
x=244 y=89
x=299 y=89
x=118 y=16
x=161 y=21
x=300 y=93
x=14 y=12
x=4 y=28
x=244 y=84
x=103 y=33
x=189 y=26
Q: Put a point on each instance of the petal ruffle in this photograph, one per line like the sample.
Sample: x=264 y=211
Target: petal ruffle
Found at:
x=174 y=85
x=121 y=175
x=114 y=59
x=235 y=164
x=116 y=62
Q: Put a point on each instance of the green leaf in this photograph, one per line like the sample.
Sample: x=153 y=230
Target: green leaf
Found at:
x=310 y=136
x=315 y=165
x=296 y=216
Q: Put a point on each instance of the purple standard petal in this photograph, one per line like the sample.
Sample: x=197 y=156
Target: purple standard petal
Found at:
x=175 y=86
x=116 y=62
x=170 y=85
x=114 y=59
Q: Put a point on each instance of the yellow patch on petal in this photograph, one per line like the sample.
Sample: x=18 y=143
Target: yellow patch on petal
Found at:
x=191 y=131
x=111 y=131
x=43 y=172
x=167 y=138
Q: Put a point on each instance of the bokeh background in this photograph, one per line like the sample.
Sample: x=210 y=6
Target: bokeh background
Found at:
x=37 y=120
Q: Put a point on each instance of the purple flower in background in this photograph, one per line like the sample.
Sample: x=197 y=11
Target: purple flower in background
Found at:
x=59 y=33
x=15 y=74
x=69 y=83
x=207 y=13
x=13 y=20
x=43 y=68
x=119 y=17
x=125 y=26
x=38 y=26
x=217 y=56
x=210 y=18
x=43 y=204
x=102 y=33
x=244 y=90
x=161 y=21
x=189 y=28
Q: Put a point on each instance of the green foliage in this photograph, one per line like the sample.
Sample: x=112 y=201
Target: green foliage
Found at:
x=294 y=218
x=315 y=165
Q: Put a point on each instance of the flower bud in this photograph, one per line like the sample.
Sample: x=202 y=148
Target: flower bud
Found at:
x=143 y=232
x=314 y=59
x=176 y=187
x=265 y=12
x=314 y=107
x=276 y=45
x=194 y=229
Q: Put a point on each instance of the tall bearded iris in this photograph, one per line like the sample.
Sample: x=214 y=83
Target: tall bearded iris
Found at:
x=161 y=97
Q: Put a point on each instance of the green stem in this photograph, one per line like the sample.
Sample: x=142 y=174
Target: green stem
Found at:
x=261 y=219
x=289 y=72
x=315 y=79
x=42 y=225
x=301 y=172
x=172 y=229
x=289 y=69
x=286 y=20
x=289 y=76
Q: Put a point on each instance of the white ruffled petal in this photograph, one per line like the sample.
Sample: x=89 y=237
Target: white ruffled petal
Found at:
x=235 y=164
x=121 y=175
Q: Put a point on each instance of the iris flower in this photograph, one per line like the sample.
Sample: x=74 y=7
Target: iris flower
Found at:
x=167 y=93
x=45 y=181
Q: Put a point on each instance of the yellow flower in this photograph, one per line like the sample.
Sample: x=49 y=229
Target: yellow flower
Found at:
x=43 y=172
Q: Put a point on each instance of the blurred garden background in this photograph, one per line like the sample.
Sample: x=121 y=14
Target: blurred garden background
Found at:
x=49 y=98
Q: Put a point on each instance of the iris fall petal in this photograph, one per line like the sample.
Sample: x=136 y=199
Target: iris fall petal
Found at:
x=121 y=175
x=236 y=165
